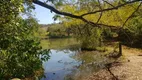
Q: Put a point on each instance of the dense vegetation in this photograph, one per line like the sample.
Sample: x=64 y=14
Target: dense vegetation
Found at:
x=133 y=32
x=92 y=22
x=121 y=25
x=58 y=31
x=19 y=44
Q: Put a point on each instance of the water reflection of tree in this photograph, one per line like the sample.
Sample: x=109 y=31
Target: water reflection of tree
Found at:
x=89 y=62
x=61 y=44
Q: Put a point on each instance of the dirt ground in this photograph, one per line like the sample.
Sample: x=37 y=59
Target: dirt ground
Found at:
x=128 y=69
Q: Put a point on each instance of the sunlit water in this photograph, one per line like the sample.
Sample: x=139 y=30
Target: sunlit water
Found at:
x=60 y=64
x=68 y=62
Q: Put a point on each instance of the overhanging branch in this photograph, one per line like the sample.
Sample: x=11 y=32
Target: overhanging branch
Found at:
x=38 y=2
x=55 y=10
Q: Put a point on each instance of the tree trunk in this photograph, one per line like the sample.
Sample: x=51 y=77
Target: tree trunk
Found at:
x=120 y=48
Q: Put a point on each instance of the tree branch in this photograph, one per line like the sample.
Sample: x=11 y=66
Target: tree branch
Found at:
x=55 y=10
x=38 y=2
x=100 y=13
x=114 y=8
x=108 y=3
x=121 y=28
x=131 y=15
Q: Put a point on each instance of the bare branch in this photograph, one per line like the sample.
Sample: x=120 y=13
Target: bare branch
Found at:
x=100 y=13
x=108 y=3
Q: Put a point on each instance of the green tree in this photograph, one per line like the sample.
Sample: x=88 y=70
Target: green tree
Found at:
x=58 y=31
x=20 y=53
x=113 y=14
x=89 y=37
x=133 y=32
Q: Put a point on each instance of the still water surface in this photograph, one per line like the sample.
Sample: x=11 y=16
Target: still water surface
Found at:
x=67 y=62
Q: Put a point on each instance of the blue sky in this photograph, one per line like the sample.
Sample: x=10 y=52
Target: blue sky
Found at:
x=43 y=15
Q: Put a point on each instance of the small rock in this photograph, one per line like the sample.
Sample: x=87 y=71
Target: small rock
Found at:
x=140 y=55
x=15 y=79
x=128 y=60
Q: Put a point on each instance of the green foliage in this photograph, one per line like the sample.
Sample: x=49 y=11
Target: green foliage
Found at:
x=19 y=45
x=9 y=9
x=132 y=34
x=89 y=37
x=58 y=31
x=108 y=34
x=20 y=50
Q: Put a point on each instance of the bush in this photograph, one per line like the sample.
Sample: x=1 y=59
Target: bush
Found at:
x=19 y=49
x=132 y=35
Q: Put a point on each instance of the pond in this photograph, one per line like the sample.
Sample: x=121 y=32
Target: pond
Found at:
x=68 y=62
